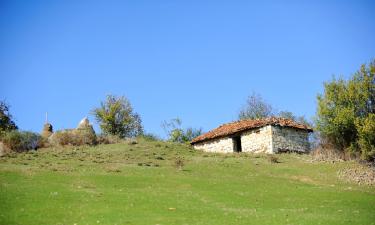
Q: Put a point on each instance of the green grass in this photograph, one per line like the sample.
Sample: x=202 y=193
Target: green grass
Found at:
x=140 y=184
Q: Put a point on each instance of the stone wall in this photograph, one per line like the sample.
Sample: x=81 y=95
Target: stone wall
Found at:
x=289 y=139
x=257 y=140
x=268 y=139
x=224 y=145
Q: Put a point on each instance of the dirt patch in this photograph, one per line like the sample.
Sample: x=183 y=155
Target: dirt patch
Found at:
x=304 y=179
x=360 y=174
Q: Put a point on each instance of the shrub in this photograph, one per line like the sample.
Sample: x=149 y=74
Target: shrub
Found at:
x=102 y=139
x=177 y=134
x=6 y=119
x=345 y=114
x=64 y=137
x=85 y=136
x=150 y=137
x=74 y=137
x=273 y=159
x=116 y=117
x=20 y=141
x=366 y=136
x=179 y=163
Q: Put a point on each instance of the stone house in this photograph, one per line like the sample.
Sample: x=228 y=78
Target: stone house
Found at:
x=269 y=135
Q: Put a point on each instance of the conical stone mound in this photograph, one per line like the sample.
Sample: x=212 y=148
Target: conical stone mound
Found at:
x=85 y=132
x=47 y=130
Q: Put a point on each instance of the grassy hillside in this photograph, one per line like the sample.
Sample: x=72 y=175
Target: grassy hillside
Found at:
x=140 y=184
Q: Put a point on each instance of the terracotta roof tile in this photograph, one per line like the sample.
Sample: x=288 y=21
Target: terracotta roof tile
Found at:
x=243 y=125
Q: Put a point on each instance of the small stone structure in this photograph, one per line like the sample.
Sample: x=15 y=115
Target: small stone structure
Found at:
x=47 y=130
x=83 y=134
x=270 y=135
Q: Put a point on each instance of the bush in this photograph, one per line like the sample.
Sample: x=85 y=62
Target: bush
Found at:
x=273 y=159
x=117 y=117
x=74 y=137
x=109 y=139
x=366 y=134
x=177 y=134
x=346 y=112
x=20 y=141
x=150 y=137
x=85 y=136
x=6 y=119
x=179 y=163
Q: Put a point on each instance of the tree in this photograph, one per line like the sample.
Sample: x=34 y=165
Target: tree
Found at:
x=176 y=134
x=287 y=115
x=290 y=115
x=256 y=107
x=6 y=119
x=346 y=111
x=116 y=117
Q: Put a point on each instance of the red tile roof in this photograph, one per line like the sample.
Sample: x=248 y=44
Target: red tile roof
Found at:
x=244 y=125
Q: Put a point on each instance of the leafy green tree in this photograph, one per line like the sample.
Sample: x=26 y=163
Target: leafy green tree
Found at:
x=116 y=117
x=345 y=112
x=6 y=119
x=176 y=134
x=366 y=135
x=255 y=108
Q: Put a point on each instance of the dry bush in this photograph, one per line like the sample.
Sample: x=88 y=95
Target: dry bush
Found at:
x=327 y=151
x=85 y=136
x=179 y=163
x=131 y=141
x=64 y=137
x=44 y=143
x=74 y=137
x=4 y=149
x=110 y=139
x=114 y=139
x=327 y=154
x=273 y=159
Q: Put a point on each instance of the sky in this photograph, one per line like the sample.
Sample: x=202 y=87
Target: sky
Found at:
x=195 y=60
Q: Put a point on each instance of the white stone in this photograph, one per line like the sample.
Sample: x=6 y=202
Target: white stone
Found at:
x=84 y=123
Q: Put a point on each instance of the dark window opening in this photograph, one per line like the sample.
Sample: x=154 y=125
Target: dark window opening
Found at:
x=237 y=144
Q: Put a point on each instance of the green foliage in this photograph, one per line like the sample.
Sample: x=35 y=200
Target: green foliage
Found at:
x=20 y=141
x=255 y=108
x=116 y=117
x=6 y=120
x=176 y=134
x=345 y=109
x=366 y=134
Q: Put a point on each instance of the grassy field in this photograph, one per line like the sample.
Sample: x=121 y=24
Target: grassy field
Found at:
x=140 y=184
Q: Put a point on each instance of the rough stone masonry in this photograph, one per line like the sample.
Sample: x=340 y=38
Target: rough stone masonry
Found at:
x=270 y=135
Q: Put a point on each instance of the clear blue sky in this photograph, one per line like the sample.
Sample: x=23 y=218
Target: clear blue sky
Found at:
x=196 y=60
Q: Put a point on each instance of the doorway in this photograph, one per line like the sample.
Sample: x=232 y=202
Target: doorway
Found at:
x=237 y=144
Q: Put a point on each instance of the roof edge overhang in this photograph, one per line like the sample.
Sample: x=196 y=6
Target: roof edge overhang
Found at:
x=309 y=130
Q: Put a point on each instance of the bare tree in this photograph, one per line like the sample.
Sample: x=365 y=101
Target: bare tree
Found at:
x=255 y=108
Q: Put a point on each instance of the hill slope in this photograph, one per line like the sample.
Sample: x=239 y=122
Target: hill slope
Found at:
x=140 y=184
